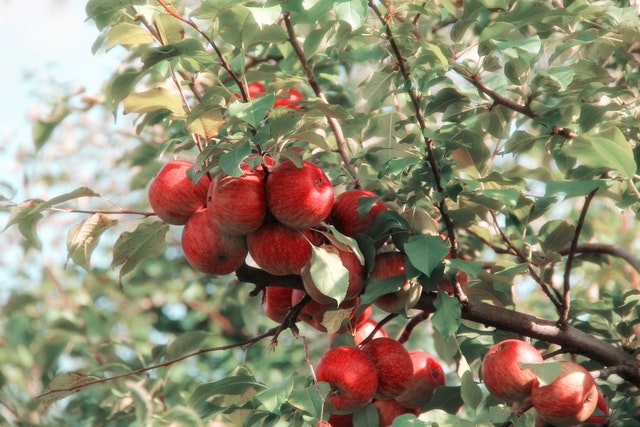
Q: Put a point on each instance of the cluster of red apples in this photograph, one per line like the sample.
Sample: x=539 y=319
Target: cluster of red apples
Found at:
x=380 y=371
x=569 y=399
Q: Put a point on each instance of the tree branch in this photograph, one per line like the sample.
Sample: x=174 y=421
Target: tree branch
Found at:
x=336 y=128
x=566 y=292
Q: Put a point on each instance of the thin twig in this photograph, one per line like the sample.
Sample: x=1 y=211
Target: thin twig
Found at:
x=245 y=343
x=336 y=128
x=566 y=292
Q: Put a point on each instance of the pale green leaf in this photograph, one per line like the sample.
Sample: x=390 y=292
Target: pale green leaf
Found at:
x=132 y=247
x=273 y=397
x=546 y=371
x=329 y=274
x=59 y=387
x=608 y=149
x=353 y=12
x=126 y=34
x=83 y=238
x=153 y=100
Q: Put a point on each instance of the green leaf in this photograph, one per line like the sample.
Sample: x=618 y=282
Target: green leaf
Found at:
x=574 y=188
x=29 y=212
x=185 y=343
x=376 y=288
x=608 y=149
x=125 y=33
x=190 y=48
x=472 y=268
x=426 y=252
x=546 y=371
x=377 y=87
x=43 y=127
x=273 y=397
x=470 y=391
x=447 y=317
x=230 y=161
x=242 y=383
x=353 y=12
x=253 y=111
x=83 y=238
x=329 y=274
x=445 y=398
x=146 y=241
x=556 y=234
x=240 y=27
x=62 y=382
x=153 y=100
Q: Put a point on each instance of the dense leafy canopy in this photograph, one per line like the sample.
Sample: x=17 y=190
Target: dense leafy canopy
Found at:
x=512 y=124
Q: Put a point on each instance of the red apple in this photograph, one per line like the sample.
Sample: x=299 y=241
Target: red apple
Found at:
x=209 y=250
x=354 y=268
x=293 y=96
x=427 y=375
x=352 y=377
x=388 y=410
x=313 y=313
x=388 y=265
x=393 y=365
x=172 y=195
x=502 y=374
x=570 y=399
x=299 y=197
x=276 y=302
x=279 y=249
x=345 y=214
x=336 y=420
x=364 y=329
x=253 y=89
x=238 y=205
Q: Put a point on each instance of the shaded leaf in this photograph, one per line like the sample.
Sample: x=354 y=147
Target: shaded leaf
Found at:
x=132 y=247
x=608 y=149
x=273 y=397
x=556 y=234
x=63 y=383
x=185 y=343
x=230 y=161
x=426 y=252
x=447 y=317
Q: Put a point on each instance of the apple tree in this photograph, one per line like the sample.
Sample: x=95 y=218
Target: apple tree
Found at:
x=289 y=180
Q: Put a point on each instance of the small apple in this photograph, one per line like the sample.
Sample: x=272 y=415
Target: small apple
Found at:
x=238 y=205
x=502 y=374
x=345 y=214
x=299 y=197
x=355 y=281
x=388 y=410
x=172 y=195
x=366 y=328
x=570 y=399
x=279 y=249
x=393 y=365
x=352 y=377
x=313 y=313
x=427 y=375
x=276 y=302
x=388 y=265
x=208 y=249
x=290 y=101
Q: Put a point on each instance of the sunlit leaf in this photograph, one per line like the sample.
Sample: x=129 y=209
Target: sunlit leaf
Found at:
x=153 y=100
x=328 y=273
x=126 y=34
x=273 y=397
x=230 y=161
x=83 y=238
x=608 y=149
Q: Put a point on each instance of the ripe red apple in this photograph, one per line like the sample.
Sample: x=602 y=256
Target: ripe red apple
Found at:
x=364 y=329
x=427 y=375
x=209 y=250
x=355 y=281
x=388 y=410
x=570 y=399
x=313 y=312
x=502 y=374
x=293 y=96
x=172 y=195
x=299 y=197
x=238 y=205
x=276 y=302
x=391 y=264
x=345 y=214
x=352 y=377
x=344 y=420
x=279 y=249
x=393 y=365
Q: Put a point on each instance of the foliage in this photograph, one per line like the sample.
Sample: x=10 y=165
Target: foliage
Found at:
x=514 y=124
